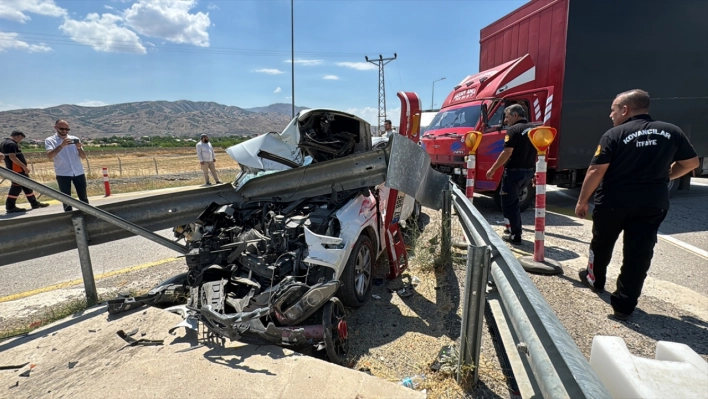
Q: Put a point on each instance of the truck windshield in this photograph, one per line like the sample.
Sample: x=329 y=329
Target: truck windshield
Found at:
x=459 y=117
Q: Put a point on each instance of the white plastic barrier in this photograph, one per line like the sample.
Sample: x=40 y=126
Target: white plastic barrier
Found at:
x=675 y=372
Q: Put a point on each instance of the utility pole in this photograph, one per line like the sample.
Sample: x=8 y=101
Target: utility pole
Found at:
x=382 y=87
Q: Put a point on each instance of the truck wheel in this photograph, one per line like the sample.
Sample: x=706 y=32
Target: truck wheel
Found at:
x=527 y=197
x=358 y=274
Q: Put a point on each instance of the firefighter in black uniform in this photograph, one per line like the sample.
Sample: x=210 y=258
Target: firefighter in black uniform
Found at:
x=630 y=170
x=15 y=161
x=519 y=160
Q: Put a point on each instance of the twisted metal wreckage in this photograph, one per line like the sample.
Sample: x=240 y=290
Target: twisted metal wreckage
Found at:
x=315 y=208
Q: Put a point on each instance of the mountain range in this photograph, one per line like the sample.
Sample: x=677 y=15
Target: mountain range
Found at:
x=149 y=118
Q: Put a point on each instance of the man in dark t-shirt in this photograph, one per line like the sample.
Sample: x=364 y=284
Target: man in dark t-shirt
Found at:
x=519 y=159
x=631 y=167
x=15 y=161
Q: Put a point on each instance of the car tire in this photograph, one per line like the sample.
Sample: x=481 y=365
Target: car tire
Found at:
x=526 y=198
x=358 y=274
x=334 y=324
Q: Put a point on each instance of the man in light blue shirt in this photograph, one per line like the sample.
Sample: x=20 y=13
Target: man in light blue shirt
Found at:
x=66 y=152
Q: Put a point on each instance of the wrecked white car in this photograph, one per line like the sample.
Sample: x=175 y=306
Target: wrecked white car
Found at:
x=312 y=217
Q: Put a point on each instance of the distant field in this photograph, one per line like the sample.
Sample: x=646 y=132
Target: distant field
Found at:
x=133 y=170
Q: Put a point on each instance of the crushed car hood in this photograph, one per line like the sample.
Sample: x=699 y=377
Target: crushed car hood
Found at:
x=403 y=165
x=250 y=153
x=310 y=132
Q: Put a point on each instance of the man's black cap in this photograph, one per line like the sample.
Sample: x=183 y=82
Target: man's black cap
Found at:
x=17 y=133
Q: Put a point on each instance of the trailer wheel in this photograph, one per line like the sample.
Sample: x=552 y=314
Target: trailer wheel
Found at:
x=526 y=197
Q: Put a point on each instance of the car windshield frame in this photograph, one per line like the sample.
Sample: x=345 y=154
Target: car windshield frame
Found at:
x=466 y=116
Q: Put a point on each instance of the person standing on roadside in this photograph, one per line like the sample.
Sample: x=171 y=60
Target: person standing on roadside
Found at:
x=67 y=152
x=630 y=170
x=519 y=160
x=388 y=129
x=16 y=162
x=207 y=158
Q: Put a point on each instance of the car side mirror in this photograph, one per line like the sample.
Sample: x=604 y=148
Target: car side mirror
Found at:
x=485 y=117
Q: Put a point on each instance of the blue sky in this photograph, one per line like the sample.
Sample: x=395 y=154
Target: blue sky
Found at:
x=237 y=52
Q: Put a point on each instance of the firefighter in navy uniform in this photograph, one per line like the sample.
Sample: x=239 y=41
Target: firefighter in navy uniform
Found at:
x=15 y=161
x=519 y=160
x=630 y=170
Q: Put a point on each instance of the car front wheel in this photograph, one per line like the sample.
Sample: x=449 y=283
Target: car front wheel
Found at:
x=358 y=273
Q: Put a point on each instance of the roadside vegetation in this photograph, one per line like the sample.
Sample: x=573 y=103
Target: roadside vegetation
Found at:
x=132 y=170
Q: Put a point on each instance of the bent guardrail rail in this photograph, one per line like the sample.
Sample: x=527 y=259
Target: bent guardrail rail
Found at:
x=36 y=236
x=560 y=369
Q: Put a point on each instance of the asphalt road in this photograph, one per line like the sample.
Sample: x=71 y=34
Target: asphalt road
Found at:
x=50 y=270
x=686 y=222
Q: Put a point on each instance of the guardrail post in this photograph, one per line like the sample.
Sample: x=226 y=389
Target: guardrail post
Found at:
x=478 y=262
x=446 y=240
x=85 y=258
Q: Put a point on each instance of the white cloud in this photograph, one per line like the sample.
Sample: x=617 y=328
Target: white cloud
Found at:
x=213 y=6
x=331 y=77
x=170 y=20
x=359 y=66
x=371 y=115
x=8 y=40
x=15 y=10
x=7 y=107
x=103 y=33
x=108 y=7
x=278 y=90
x=305 y=62
x=92 y=103
x=269 y=71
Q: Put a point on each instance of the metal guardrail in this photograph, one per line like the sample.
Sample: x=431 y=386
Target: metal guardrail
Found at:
x=32 y=237
x=559 y=368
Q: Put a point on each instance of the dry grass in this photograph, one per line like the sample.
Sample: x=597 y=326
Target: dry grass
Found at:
x=47 y=315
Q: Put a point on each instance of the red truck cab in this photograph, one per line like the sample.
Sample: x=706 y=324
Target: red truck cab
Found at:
x=477 y=104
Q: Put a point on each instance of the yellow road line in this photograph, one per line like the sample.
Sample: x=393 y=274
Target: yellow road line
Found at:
x=66 y=284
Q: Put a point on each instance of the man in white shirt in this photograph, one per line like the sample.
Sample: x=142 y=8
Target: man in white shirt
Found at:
x=206 y=156
x=66 y=152
x=388 y=129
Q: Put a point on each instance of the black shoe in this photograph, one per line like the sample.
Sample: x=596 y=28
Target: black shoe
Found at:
x=40 y=205
x=16 y=210
x=506 y=230
x=218 y=182
x=514 y=239
x=620 y=316
x=583 y=275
